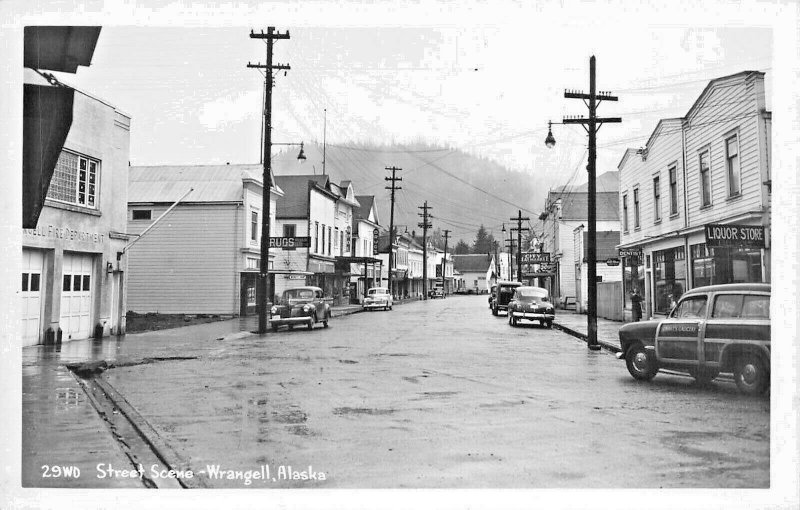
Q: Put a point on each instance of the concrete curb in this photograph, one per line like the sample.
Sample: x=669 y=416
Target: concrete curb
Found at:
x=577 y=334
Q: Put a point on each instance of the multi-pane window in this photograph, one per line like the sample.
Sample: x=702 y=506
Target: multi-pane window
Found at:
x=323 y=240
x=673 y=190
x=625 y=213
x=636 y=208
x=705 y=179
x=75 y=180
x=316 y=237
x=657 y=198
x=289 y=230
x=330 y=240
x=336 y=243
x=732 y=163
x=253 y=226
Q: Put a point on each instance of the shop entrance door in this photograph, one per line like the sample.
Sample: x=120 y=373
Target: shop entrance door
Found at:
x=248 y=301
x=76 y=296
x=31 y=296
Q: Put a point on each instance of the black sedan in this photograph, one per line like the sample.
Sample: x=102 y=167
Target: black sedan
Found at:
x=301 y=305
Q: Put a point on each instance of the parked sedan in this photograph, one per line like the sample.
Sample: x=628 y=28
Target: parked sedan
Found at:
x=378 y=297
x=713 y=329
x=301 y=305
x=532 y=304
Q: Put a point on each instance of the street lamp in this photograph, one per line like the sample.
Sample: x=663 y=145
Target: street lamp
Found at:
x=550 y=141
x=300 y=155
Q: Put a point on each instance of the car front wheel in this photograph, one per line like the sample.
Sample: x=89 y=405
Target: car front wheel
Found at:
x=750 y=374
x=325 y=321
x=312 y=321
x=640 y=363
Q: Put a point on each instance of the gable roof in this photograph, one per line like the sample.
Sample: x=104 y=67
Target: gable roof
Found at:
x=575 y=205
x=294 y=203
x=365 y=205
x=211 y=183
x=471 y=263
x=606 y=244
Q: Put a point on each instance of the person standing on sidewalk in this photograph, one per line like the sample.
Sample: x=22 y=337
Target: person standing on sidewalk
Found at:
x=636 y=305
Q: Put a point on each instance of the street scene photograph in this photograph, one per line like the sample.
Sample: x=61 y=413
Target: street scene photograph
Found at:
x=315 y=254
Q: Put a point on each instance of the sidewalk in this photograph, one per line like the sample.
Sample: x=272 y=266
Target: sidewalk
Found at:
x=576 y=325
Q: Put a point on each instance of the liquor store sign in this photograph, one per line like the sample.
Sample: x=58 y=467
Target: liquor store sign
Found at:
x=289 y=243
x=751 y=236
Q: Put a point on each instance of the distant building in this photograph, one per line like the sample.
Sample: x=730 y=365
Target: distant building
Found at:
x=365 y=269
x=608 y=269
x=695 y=200
x=564 y=211
x=205 y=256
x=474 y=270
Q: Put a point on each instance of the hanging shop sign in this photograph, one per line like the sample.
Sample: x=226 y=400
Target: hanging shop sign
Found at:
x=612 y=262
x=289 y=243
x=532 y=258
x=630 y=252
x=375 y=241
x=750 y=236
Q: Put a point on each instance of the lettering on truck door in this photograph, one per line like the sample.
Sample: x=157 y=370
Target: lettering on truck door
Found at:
x=679 y=337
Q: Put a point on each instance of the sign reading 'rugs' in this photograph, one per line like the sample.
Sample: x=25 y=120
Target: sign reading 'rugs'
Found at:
x=289 y=243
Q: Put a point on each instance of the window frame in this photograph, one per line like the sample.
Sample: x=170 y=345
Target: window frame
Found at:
x=672 y=175
x=733 y=135
x=95 y=196
x=625 y=212
x=148 y=211
x=656 y=198
x=254 y=226
x=290 y=228
x=703 y=176
x=636 y=211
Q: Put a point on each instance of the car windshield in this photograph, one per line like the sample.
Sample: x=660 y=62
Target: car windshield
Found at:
x=374 y=292
x=524 y=294
x=296 y=294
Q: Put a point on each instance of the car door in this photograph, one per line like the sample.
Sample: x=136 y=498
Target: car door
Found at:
x=736 y=317
x=678 y=338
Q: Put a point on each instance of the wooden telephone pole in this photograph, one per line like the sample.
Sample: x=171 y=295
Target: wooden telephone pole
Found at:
x=394 y=188
x=262 y=292
x=425 y=225
x=592 y=124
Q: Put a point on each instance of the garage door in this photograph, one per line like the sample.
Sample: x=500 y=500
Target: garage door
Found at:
x=76 y=296
x=31 y=294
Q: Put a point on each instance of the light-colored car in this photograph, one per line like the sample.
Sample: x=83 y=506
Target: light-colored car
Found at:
x=713 y=329
x=300 y=306
x=532 y=304
x=378 y=297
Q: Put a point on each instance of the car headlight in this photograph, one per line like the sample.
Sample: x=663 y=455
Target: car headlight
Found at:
x=307 y=308
x=273 y=310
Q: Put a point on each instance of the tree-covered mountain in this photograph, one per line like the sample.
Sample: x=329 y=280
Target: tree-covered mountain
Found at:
x=463 y=191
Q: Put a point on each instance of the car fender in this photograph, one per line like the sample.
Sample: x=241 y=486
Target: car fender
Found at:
x=633 y=332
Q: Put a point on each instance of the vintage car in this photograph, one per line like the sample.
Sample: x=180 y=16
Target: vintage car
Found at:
x=532 y=304
x=713 y=329
x=436 y=292
x=491 y=294
x=377 y=297
x=503 y=291
x=301 y=305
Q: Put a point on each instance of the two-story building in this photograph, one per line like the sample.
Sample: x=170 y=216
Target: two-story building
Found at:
x=204 y=256
x=365 y=266
x=73 y=275
x=695 y=200
x=564 y=211
x=315 y=207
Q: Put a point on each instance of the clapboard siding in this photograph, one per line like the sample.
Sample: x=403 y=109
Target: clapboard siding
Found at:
x=187 y=263
x=732 y=107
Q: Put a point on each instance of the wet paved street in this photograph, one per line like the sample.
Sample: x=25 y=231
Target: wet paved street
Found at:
x=432 y=394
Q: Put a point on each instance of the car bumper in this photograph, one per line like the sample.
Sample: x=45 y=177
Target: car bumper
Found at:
x=375 y=305
x=533 y=316
x=278 y=321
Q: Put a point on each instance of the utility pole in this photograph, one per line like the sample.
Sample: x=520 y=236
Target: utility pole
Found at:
x=496 y=262
x=444 y=261
x=425 y=225
x=394 y=188
x=271 y=36
x=593 y=124
x=519 y=219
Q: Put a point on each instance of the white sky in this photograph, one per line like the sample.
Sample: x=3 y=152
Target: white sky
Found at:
x=486 y=88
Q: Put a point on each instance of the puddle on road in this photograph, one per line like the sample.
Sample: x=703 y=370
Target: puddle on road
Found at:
x=348 y=361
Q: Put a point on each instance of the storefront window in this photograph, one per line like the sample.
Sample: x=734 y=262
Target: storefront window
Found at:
x=634 y=278
x=670 y=277
x=711 y=266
